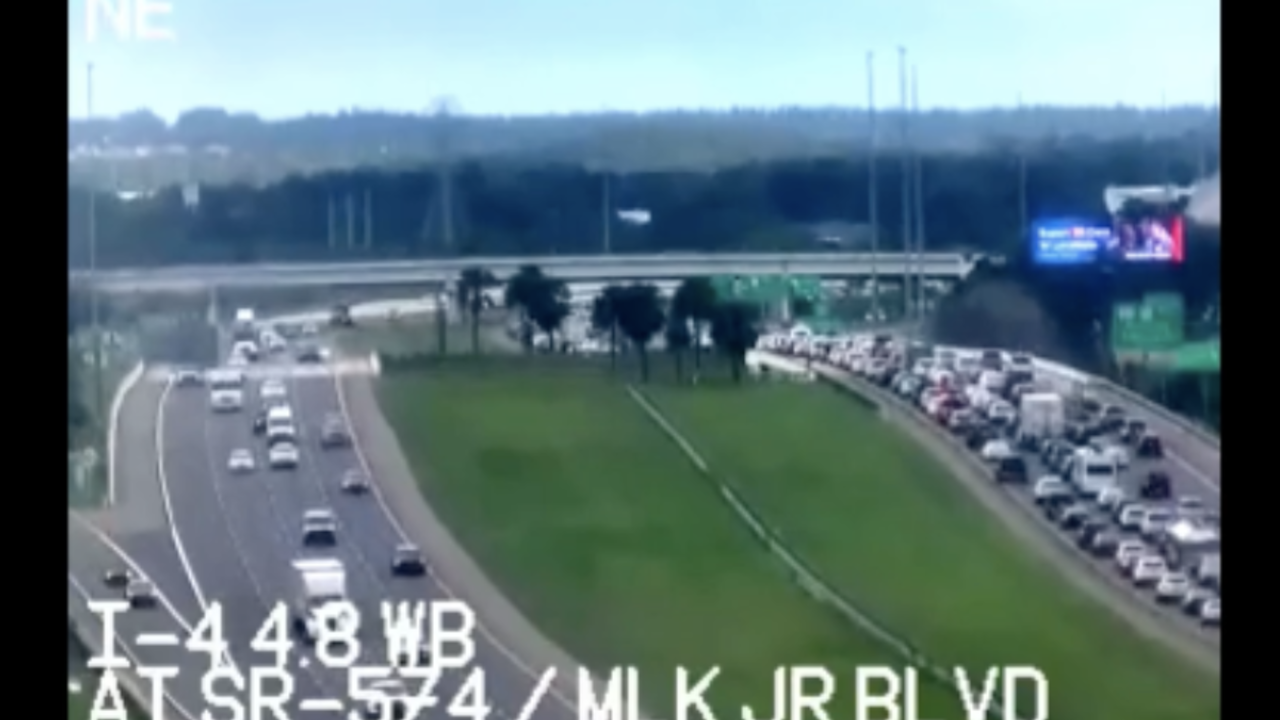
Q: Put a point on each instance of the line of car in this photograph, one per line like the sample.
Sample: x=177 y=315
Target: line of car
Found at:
x=1169 y=545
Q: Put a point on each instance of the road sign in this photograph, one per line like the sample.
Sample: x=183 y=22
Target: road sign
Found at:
x=1155 y=324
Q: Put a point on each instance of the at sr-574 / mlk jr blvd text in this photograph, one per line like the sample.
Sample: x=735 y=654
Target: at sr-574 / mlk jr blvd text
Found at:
x=808 y=692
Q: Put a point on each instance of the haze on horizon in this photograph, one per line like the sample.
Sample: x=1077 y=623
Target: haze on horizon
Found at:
x=292 y=57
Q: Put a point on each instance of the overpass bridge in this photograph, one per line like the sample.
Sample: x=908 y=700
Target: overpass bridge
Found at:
x=666 y=266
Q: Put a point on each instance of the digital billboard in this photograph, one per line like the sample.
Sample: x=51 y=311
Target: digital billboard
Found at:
x=1068 y=241
x=1147 y=238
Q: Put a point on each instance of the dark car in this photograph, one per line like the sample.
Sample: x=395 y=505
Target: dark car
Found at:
x=117 y=578
x=1156 y=486
x=1090 y=528
x=260 y=423
x=309 y=354
x=1072 y=516
x=1150 y=446
x=1133 y=431
x=408 y=561
x=1011 y=469
x=1104 y=544
x=978 y=436
x=340 y=316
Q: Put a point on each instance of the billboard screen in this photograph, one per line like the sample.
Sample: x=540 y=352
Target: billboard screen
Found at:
x=1068 y=241
x=1147 y=238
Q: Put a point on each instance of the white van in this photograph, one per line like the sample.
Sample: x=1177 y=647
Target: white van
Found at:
x=1092 y=473
x=226 y=390
x=280 y=424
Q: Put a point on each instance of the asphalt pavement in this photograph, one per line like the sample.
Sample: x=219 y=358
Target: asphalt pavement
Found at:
x=1194 y=465
x=241 y=534
x=89 y=558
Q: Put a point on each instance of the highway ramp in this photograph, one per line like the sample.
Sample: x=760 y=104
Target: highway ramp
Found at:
x=241 y=534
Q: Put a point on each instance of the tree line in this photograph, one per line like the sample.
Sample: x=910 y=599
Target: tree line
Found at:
x=212 y=145
x=971 y=201
x=635 y=313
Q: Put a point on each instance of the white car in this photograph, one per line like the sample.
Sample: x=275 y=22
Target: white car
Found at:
x=995 y=450
x=1148 y=569
x=1111 y=498
x=1155 y=521
x=1211 y=611
x=1050 y=487
x=273 y=389
x=237 y=360
x=1172 y=587
x=283 y=456
x=1127 y=552
x=241 y=461
x=1115 y=453
x=319 y=527
x=392 y=702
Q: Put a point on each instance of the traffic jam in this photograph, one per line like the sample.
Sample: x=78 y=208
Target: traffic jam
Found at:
x=1096 y=474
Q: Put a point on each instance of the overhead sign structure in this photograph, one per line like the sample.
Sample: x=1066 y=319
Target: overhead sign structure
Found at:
x=1154 y=325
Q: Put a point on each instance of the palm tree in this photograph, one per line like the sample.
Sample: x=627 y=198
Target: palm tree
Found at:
x=733 y=329
x=548 y=306
x=604 y=319
x=640 y=317
x=471 y=287
x=695 y=300
x=678 y=338
x=519 y=294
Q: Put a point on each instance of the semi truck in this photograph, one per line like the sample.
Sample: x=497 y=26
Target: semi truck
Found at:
x=317 y=583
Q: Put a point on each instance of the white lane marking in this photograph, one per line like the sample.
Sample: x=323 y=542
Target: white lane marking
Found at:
x=168 y=503
x=391 y=518
x=117 y=402
x=124 y=647
x=133 y=565
x=1206 y=481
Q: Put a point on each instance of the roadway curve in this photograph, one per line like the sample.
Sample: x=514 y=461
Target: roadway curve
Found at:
x=242 y=533
x=1195 y=463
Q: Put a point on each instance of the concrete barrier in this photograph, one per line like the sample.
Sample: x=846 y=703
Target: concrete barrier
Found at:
x=117 y=400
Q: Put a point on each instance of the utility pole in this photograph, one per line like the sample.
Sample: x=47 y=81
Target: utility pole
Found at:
x=368 y=219
x=95 y=317
x=873 y=200
x=332 y=224
x=606 y=214
x=906 y=185
x=1022 y=171
x=444 y=162
x=351 y=222
x=919 y=204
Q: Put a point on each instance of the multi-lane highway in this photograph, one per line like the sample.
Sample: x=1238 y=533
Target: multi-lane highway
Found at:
x=240 y=535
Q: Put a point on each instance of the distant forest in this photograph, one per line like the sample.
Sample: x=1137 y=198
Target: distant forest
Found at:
x=216 y=146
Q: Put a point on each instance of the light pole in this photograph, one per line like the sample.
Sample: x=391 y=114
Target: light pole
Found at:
x=906 y=187
x=873 y=201
x=99 y=391
x=919 y=205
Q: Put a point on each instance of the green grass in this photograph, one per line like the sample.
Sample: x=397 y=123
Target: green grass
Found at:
x=884 y=522
x=417 y=334
x=599 y=530
x=115 y=366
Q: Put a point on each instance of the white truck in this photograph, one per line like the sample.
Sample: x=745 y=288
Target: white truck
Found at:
x=1042 y=415
x=244 y=325
x=317 y=583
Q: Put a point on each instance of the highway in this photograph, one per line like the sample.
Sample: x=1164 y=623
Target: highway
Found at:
x=592 y=267
x=241 y=534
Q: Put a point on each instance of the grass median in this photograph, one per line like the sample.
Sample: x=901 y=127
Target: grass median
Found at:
x=598 y=529
x=885 y=523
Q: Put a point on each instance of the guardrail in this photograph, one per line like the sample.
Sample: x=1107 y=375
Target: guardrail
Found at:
x=804 y=575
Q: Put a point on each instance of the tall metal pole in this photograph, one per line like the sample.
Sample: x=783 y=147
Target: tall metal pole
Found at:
x=606 y=214
x=1022 y=175
x=919 y=204
x=906 y=184
x=873 y=201
x=351 y=221
x=368 y=219
x=99 y=389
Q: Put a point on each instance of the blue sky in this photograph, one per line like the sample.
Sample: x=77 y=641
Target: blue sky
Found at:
x=288 y=57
